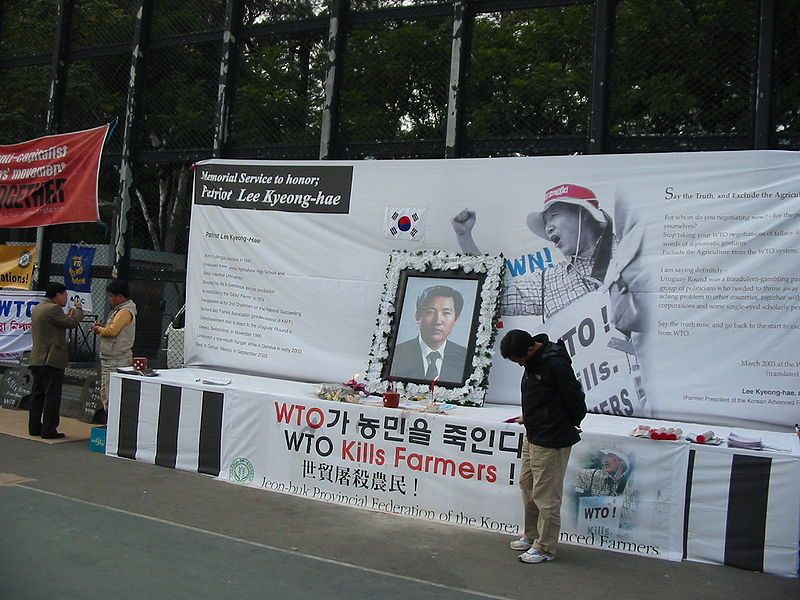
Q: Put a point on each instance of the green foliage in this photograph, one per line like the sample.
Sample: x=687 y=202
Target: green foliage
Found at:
x=23 y=103
x=180 y=102
x=678 y=68
x=530 y=73
x=280 y=91
x=101 y=22
x=787 y=71
x=396 y=77
x=684 y=68
x=175 y=18
x=28 y=27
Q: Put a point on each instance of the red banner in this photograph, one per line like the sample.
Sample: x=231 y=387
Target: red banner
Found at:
x=51 y=180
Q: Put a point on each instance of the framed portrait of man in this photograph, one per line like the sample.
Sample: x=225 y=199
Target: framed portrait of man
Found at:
x=436 y=315
x=435 y=330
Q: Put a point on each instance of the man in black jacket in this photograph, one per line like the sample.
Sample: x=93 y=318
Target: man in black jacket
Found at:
x=553 y=405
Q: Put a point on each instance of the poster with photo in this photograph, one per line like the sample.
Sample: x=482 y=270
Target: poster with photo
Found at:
x=655 y=269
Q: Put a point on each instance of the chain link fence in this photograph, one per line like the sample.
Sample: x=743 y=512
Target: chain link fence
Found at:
x=683 y=72
x=395 y=80
x=280 y=90
x=787 y=77
x=369 y=79
x=529 y=84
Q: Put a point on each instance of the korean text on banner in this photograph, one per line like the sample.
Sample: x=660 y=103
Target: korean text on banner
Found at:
x=15 y=322
x=16 y=266
x=78 y=268
x=51 y=180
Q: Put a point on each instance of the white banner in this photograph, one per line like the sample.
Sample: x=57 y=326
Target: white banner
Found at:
x=15 y=322
x=682 y=313
x=448 y=469
x=84 y=297
x=616 y=496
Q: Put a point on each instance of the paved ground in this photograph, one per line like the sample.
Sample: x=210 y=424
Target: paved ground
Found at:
x=90 y=526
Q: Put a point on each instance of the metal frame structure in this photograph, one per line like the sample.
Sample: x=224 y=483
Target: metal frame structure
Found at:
x=336 y=28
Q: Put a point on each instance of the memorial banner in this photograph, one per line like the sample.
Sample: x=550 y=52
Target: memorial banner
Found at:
x=51 y=179
x=15 y=322
x=653 y=498
x=672 y=278
x=16 y=266
x=448 y=469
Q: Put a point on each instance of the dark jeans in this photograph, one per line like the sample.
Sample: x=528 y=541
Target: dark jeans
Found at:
x=43 y=418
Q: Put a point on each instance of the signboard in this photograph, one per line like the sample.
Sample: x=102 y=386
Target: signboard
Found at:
x=78 y=275
x=663 y=269
x=90 y=398
x=16 y=266
x=15 y=322
x=17 y=384
x=51 y=179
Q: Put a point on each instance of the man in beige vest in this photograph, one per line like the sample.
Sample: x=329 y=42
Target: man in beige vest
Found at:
x=49 y=358
x=117 y=334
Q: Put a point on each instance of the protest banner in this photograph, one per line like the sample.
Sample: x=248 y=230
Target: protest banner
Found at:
x=51 y=179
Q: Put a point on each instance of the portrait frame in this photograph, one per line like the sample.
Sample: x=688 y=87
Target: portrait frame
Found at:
x=478 y=279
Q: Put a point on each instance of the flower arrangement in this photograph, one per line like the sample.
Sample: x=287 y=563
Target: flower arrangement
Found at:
x=473 y=390
x=337 y=392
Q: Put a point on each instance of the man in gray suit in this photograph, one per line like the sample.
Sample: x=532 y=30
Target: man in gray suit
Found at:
x=431 y=355
x=49 y=358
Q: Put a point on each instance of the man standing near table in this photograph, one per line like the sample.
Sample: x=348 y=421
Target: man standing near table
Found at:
x=553 y=406
x=49 y=358
x=117 y=334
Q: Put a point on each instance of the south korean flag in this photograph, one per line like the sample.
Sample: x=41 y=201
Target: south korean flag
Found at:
x=405 y=223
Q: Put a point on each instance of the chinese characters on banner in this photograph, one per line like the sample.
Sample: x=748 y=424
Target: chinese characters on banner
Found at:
x=449 y=469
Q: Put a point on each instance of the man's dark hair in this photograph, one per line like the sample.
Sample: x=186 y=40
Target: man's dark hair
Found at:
x=53 y=288
x=516 y=342
x=442 y=291
x=118 y=286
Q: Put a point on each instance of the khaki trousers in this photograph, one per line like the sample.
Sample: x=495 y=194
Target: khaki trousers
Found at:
x=108 y=366
x=542 y=482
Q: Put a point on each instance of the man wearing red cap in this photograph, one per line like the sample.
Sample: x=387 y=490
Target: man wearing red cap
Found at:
x=572 y=220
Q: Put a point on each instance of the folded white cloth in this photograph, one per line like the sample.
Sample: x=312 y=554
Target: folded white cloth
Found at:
x=740 y=441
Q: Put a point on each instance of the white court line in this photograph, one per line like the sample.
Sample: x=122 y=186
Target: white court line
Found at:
x=268 y=547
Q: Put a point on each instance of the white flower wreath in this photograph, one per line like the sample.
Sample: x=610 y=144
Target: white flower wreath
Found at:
x=473 y=391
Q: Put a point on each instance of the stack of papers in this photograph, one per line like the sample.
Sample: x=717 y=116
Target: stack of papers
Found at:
x=215 y=380
x=749 y=443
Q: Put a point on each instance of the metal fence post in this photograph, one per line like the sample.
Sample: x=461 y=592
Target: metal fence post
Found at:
x=55 y=111
x=765 y=69
x=227 y=75
x=605 y=11
x=122 y=203
x=337 y=40
x=459 y=67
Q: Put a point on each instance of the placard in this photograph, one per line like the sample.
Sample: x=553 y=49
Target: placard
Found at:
x=17 y=384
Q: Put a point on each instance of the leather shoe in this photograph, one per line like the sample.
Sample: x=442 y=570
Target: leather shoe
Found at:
x=53 y=436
